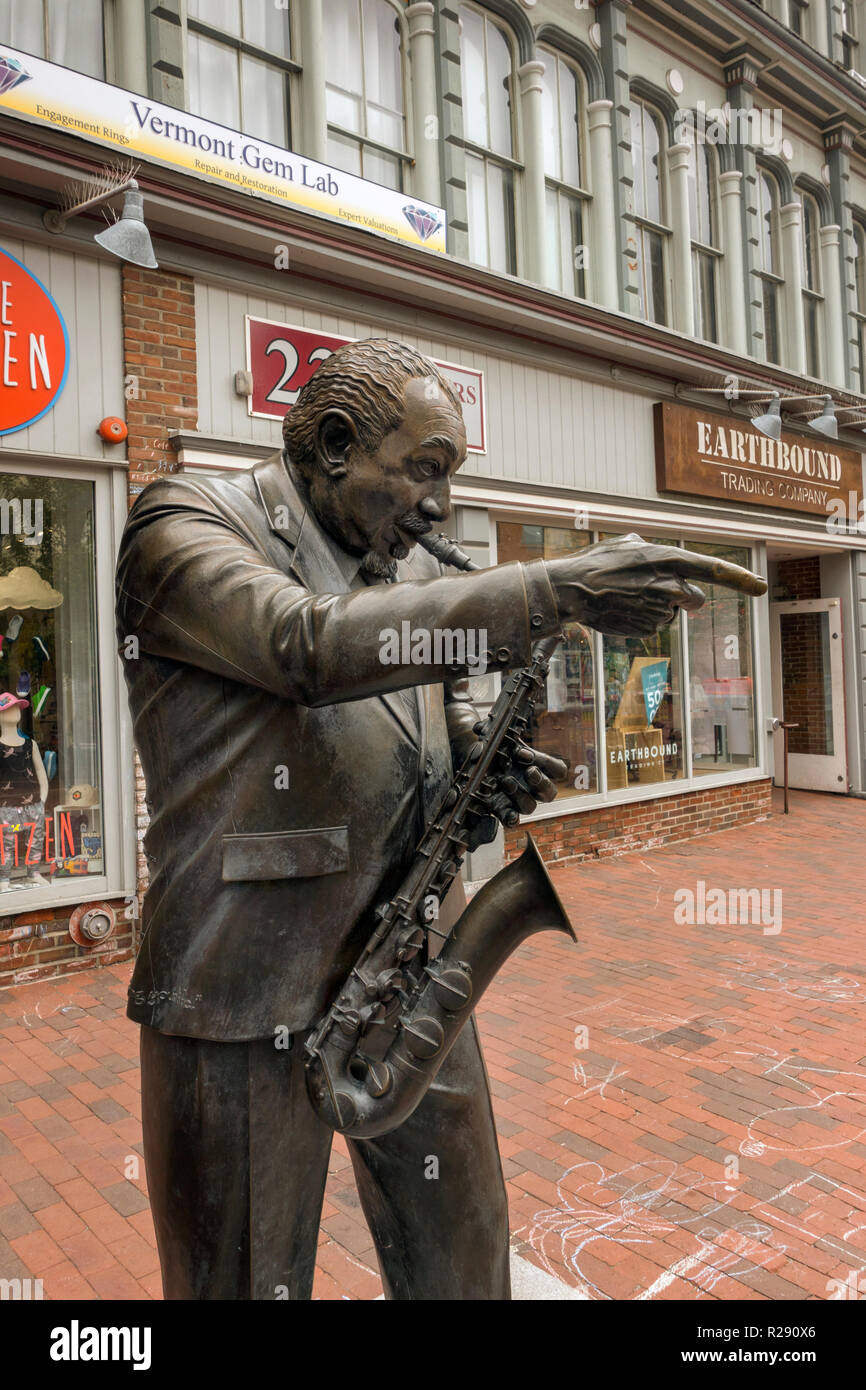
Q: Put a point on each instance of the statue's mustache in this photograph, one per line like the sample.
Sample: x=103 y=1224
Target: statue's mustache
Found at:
x=414 y=524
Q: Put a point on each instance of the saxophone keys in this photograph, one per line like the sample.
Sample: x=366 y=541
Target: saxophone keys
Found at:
x=378 y=1079
x=423 y=1037
x=452 y=988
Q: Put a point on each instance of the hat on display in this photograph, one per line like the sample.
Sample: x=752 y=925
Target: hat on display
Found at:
x=8 y=701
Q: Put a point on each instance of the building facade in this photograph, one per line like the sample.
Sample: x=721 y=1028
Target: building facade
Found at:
x=621 y=227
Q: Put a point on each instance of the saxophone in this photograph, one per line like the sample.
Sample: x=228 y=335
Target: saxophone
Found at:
x=373 y=1055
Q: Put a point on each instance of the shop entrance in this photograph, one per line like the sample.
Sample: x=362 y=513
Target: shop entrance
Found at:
x=806 y=639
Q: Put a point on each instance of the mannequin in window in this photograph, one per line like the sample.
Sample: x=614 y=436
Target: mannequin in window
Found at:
x=23 y=793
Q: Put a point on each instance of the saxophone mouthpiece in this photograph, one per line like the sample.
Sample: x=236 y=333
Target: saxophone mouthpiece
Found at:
x=445 y=551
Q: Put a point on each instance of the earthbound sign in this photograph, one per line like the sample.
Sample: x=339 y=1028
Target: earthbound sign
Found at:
x=711 y=455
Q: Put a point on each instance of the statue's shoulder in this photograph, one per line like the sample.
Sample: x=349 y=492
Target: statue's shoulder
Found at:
x=233 y=491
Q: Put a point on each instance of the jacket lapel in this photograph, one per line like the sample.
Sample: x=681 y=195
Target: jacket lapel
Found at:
x=316 y=560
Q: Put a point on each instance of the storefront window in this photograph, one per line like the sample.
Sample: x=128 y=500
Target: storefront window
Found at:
x=565 y=723
x=721 y=673
x=50 y=765
x=643 y=706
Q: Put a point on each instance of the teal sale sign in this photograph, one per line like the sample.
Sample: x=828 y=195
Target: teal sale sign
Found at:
x=654 y=679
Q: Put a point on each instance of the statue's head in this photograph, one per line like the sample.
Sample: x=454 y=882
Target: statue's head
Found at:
x=376 y=434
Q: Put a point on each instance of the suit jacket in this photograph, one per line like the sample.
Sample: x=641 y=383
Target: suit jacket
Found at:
x=288 y=780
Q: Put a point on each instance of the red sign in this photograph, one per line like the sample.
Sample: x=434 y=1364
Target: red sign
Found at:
x=281 y=359
x=34 y=347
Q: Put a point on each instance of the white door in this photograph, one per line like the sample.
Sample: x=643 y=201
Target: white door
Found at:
x=808 y=690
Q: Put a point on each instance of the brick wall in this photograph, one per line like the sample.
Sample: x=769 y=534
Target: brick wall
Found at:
x=620 y=829
x=159 y=356
x=801 y=576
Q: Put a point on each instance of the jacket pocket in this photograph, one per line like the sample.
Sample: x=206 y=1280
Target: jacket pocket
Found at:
x=285 y=854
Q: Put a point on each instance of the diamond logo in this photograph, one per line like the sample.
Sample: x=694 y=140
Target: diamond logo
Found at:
x=422 y=221
x=11 y=74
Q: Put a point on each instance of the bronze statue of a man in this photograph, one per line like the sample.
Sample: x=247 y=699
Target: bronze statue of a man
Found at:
x=290 y=773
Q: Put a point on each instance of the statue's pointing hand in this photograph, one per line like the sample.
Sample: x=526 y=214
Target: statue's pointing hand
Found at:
x=633 y=587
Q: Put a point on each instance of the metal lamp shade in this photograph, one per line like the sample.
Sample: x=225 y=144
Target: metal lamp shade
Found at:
x=129 y=238
x=771 y=423
x=826 y=423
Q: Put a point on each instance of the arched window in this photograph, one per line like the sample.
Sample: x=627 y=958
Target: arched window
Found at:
x=566 y=202
x=703 y=221
x=650 y=213
x=486 y=69
x=365 y=90
x=813 y=299
x=770 y=262
x=859 y=314
x=239 y=66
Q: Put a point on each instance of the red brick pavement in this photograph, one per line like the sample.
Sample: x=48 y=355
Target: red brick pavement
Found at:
x=681 y=1108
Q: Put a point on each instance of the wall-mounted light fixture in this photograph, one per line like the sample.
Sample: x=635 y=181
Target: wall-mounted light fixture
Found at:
x=126 y=236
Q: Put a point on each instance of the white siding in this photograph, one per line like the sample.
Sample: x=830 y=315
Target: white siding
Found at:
x=543 y=425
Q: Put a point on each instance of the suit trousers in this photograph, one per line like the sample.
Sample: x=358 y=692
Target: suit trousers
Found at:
x=237 y=1159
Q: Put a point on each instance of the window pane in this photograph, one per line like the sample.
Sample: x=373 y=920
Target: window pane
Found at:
x=75 y=37
x=651 y=167
x=807 y=688
x=637 y=157
x=771 y=321
x=382 y=168
x=473 y=77
x=769 y=200
x=653 y=262
x=51 y=664
x=564 y=724
x=476 y=206
x=643 y=708
x=21 y=26
x=499 y=90
x=550 y=119
x=704 y=274
x=813 y=352
x=385 y=126
x=384 y=71
x=721 y=673
x=344 y=109
x=700 y=196
x=500 y=218
x=574 y=248
x=344 y=153
x=267 y=26
x=213 y=81
x=219 y=14
x=811 y=268
x=343 y=30
x=568 y=124
x=264 y=101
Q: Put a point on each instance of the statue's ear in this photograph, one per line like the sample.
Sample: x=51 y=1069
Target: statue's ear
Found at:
x=335 y=434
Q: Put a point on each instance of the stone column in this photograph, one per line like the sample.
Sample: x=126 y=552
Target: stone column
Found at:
x=732 y=287
x=793 y=330
x=602 y=279
x=314 y=130
x=612 y=18
x=535 y=259
x=425 y=120
x=834 y=313
x=682 y=288
x=130 y=47
x=838 y=142
x=741 y=68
